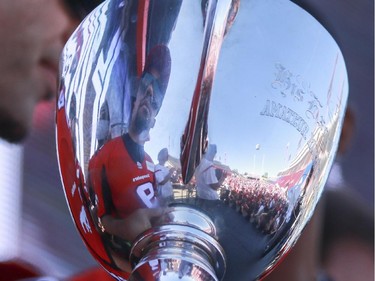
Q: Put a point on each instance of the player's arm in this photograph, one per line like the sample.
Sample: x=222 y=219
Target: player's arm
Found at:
x=166 y=178
x=129 y=228
x=217 y=184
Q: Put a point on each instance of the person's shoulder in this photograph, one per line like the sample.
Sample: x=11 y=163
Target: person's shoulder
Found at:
x=158 y=167
x=205 y=162
x=109 y=146
x=148 y=158
x=208 y=164
x=116 y=141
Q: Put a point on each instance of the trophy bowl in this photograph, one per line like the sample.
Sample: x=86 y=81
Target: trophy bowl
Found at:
x=195 y=137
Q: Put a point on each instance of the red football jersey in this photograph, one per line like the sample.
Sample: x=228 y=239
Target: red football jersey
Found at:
x=121 y=184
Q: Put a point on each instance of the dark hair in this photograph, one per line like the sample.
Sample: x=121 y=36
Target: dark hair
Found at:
x=81 y=8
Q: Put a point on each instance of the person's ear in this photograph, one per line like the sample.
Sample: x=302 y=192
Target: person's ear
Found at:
x=153 y=122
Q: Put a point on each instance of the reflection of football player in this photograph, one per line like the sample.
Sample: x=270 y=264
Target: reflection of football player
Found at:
x=205 y=174
x=121 y=172
x=163 y=177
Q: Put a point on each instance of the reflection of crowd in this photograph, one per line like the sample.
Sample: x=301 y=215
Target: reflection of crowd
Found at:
x=262 y=202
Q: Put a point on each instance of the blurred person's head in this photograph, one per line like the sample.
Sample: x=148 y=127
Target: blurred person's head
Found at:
x=163 y=156
x=32 y=34
x=211 y=152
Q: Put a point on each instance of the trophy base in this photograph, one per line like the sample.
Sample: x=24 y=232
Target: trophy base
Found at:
x=173 y=251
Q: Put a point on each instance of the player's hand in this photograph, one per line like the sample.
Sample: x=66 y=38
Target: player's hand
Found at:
x=130 y=227
x=139 y=221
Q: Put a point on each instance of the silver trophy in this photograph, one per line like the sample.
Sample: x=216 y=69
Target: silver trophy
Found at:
x=195 y=137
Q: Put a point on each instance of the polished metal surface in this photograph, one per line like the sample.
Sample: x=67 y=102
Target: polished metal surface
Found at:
x=242 y=107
